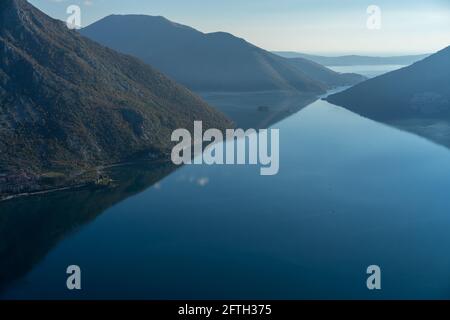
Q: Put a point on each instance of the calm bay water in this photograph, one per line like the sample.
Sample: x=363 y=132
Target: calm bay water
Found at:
x=350 y=193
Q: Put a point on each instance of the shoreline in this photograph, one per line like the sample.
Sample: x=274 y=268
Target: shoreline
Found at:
x=36 y=193
x=75 y=186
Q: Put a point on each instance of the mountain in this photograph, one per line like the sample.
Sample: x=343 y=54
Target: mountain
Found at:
x=354 y=60
x=206 y=62
x=420 y=90
x=414 y=99
x=68 y=104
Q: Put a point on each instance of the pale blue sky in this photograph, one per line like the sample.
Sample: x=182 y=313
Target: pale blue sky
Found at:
x=313 y=26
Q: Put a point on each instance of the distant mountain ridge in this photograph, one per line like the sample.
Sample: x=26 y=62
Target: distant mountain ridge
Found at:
x=209 y=62
x=68 y=104
x=353 y=60
x=325 y=75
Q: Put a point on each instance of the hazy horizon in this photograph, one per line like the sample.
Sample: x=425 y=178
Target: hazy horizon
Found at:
x=324 y=27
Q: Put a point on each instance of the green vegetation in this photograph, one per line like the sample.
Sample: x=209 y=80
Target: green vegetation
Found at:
x=69 y=105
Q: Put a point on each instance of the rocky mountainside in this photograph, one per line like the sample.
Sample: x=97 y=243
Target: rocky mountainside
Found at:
x=68 y=104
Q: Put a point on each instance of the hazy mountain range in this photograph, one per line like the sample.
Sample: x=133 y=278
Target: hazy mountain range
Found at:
x=354 y=60
x=211 y=61
x=68 y=104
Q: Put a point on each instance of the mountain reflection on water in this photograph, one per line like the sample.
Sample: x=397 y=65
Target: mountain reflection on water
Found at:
x=350 y=193
x=30 y=227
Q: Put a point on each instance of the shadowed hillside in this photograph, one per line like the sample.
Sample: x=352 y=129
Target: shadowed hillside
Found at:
x=420 y=90
x=415 y=98
x=208 y=62
x=68 y=104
